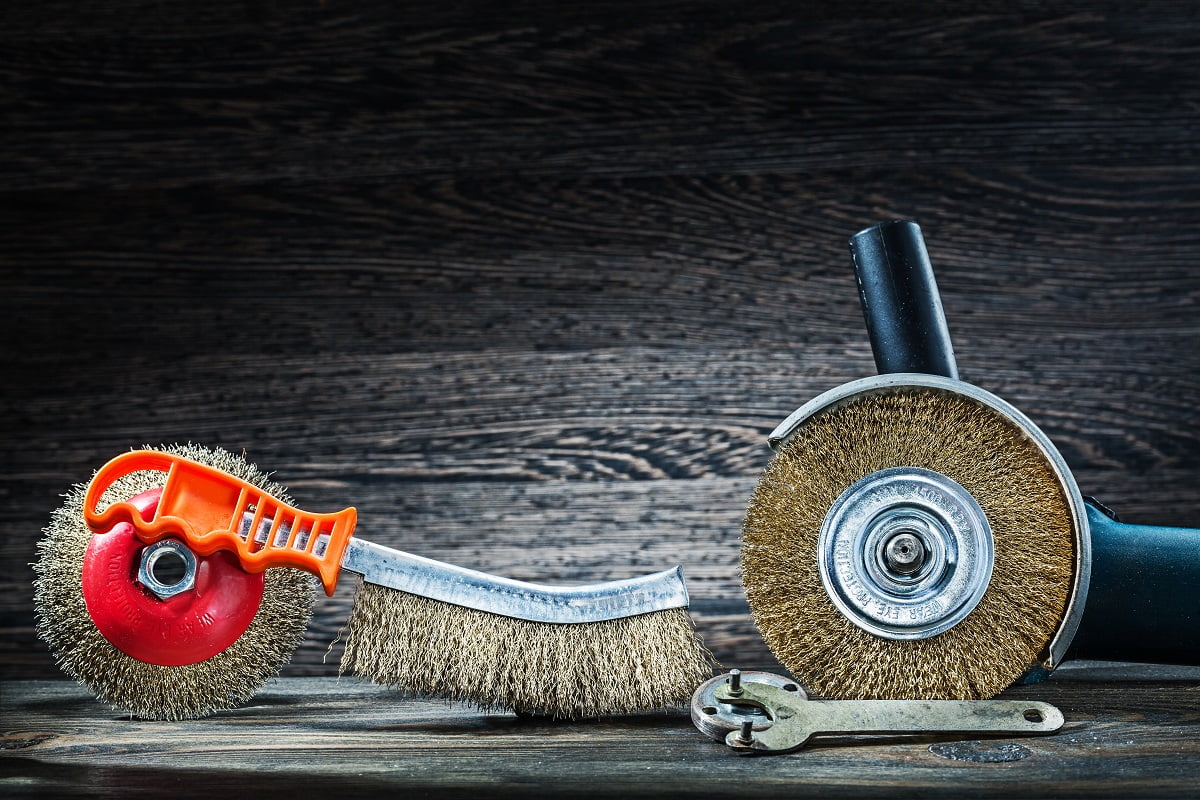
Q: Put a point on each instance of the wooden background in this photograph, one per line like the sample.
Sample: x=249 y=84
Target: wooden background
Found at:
x=530 y=284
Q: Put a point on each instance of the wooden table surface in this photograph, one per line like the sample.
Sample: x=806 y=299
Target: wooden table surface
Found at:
x=1130 y=731
x=529 y=285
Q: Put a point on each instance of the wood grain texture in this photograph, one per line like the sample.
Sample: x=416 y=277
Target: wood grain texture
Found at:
x=529 y=284
x=312 y=93
x=303 y=735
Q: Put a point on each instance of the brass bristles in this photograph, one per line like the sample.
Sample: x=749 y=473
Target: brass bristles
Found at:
x=151 y=691
x=429 y=648
x=974 y=445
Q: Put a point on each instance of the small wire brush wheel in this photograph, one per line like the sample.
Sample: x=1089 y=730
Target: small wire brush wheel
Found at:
x=868 y=502
x=206 y=650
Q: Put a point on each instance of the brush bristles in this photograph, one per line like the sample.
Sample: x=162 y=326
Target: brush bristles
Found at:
x=151 y=691
x=984 y=452
x=434 y=649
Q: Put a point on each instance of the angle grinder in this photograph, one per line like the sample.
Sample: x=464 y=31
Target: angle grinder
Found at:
x=915 y=536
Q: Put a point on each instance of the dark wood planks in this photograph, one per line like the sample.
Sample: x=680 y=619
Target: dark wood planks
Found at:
x=1127 y=734
x=529 y=286
x=309 y=94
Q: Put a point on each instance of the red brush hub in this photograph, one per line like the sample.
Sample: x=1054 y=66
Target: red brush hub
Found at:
x=185 y=629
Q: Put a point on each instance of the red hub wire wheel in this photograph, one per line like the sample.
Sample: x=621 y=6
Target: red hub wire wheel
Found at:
x=160 y=651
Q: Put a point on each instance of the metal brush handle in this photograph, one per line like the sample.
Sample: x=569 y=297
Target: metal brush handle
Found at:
x=900 y=300
x=1144 y=601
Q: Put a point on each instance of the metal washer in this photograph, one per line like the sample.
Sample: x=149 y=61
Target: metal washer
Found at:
x=927 y=508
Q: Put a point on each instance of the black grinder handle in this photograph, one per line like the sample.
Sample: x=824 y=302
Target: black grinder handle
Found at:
x=900 y=300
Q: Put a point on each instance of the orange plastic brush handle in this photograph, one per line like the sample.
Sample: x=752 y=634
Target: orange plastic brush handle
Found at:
x=212 y=510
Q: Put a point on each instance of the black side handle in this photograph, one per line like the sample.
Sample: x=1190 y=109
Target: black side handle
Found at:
x=900 y=300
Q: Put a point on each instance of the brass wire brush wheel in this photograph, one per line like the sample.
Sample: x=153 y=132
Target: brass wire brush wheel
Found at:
x=188 y=645
x=913 y=537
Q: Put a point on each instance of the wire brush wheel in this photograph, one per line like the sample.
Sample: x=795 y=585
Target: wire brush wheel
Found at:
x=152 y=690
x=948 y=433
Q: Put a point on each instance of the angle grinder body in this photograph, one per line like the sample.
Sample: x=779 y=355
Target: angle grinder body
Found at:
x=916 y=536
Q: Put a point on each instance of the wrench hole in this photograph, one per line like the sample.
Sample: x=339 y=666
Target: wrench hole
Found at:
x=1033 y=715
x=709 y=710
x=791 y=687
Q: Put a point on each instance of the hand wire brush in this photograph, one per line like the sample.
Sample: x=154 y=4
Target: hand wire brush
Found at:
x=915 y=536
x=174 y=585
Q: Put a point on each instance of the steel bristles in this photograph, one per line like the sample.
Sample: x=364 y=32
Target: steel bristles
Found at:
x=430 y=648
x=984 y=452
x=150 y=691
